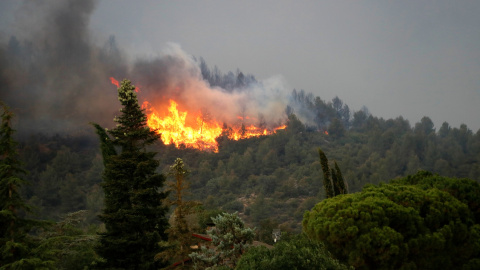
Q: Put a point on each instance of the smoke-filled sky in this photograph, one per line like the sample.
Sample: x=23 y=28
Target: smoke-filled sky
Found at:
x=408 y=58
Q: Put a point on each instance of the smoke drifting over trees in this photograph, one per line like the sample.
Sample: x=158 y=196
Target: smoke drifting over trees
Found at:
x=55 y=76
x=50 y=71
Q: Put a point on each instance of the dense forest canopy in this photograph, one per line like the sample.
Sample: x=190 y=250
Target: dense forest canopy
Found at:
x=269 y=177
x=80 y=191
x=269 y=180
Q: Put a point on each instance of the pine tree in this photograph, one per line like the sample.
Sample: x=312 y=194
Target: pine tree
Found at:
x=231 y=239
x=327 y=181
x=134 y=217
x=333 y=181
x=106 y=145
x=18 y=250
x=336 y=188
x=69 y=243
x=342 y=185
x=180 y=232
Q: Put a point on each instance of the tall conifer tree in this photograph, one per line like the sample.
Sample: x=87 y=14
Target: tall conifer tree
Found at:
x=327 y=181
x=18 y=250
x=336 y=188
x=180 y=232
x=342 y=185
x=134 y=217
x=333 y=181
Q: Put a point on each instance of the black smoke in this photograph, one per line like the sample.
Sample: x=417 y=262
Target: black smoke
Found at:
x=55 y=76
x=52 y=75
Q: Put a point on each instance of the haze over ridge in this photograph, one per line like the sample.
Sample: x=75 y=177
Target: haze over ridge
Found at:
x=412 y=59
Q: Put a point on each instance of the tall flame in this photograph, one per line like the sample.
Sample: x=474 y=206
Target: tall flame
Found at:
x=173 y=128
x=194 y=129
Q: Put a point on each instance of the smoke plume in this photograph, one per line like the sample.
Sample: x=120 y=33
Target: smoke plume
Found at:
x=177 y=75
x=56 y=77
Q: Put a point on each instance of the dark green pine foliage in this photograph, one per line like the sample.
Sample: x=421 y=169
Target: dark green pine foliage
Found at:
x=327 y=181
x=423 y=221
x=134 y=217
x=336 y=187
x=342 y=187
x=333 y=181
x=17 y=247
x=106 y=144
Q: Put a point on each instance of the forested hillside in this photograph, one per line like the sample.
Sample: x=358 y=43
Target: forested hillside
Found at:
x=270 y=180
x=188 y=167
x=272 y=183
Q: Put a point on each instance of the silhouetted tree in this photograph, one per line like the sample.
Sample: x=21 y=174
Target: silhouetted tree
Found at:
x=134 y=216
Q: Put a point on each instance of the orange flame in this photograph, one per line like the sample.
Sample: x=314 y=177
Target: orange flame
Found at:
x=193 y=130
x=201 y=133
x=173 y=128
x=114 y=82
x=280 y=127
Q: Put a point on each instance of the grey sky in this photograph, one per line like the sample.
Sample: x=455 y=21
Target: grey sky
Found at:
x=409 y=58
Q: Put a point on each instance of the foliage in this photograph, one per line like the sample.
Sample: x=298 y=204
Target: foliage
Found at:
x=64 y=173
x=464 y=189
x=133 y=214
x=230 y=238
x=106 y=146
x=275 y=176
x=327 y=179
x=299 y=253
x=265 y=230
x=204 y=217
x=333 y=181
x=395 y=226
x=336 y=128
x=340 y=183
x=17 y=247
x=70 y=245
x=180 y=237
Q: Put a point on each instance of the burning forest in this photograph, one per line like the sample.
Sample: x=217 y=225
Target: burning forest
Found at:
x=58 y=80
x=187 y=110
x=198 y=129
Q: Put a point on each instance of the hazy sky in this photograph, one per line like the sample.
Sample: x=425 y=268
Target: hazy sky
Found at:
x=408 y=58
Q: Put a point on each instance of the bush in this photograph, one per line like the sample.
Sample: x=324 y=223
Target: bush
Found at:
x=299 y=252
x=394 y=226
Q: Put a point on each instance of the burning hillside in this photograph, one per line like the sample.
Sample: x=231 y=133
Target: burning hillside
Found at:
x=55 y=81
x=187 y=110
x=198 y=129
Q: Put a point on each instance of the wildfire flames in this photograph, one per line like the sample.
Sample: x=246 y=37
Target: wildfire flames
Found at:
x=195 y=129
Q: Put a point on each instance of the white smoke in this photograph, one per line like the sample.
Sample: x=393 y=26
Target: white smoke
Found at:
x=177 y=75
